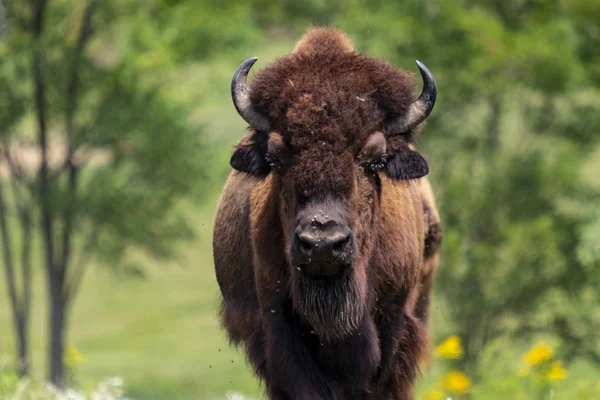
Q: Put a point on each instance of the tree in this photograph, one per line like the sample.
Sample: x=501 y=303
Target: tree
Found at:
x=85 y=94
x=14 y=186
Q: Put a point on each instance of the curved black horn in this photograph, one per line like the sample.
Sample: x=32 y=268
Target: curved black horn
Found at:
x=420 y=109
x=241 y=97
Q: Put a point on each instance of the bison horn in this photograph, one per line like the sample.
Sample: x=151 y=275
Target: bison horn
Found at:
x=241 y=97
x=420 y=109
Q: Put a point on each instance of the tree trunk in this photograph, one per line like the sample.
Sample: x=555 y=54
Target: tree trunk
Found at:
x=19 y=304
x=23 y=328
x=22 y=347
x=493 y=128
x=57 y=325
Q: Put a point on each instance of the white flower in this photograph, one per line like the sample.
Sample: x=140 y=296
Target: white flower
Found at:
x=235 y=396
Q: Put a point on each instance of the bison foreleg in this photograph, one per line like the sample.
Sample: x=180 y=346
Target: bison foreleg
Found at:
x=402 y=343
x=352 y=360
x=291 y=369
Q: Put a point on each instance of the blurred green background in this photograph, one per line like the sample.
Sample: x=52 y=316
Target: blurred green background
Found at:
x=130 y=100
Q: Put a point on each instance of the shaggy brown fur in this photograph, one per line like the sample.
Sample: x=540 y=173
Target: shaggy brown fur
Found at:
x=360 y=335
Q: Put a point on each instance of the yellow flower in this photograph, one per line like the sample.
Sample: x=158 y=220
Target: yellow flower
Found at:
x=598 y=386
x=73 y=357
x=435 y=394
x=557 y=372
x=457 y=382
x=538 y=354
x=449 y=348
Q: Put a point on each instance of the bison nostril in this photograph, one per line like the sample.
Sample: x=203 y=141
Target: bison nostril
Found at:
x=305 y=245
x=339 y=246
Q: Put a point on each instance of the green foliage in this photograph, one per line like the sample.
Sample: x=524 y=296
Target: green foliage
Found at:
x=589 y=248
x=149 y=150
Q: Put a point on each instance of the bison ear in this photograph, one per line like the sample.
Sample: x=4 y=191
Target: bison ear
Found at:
x=250 y=158
x=406 y=165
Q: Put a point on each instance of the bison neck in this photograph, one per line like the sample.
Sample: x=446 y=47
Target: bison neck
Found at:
x=353 y=359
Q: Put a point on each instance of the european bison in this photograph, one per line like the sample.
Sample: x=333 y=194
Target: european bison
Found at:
x=326 y=237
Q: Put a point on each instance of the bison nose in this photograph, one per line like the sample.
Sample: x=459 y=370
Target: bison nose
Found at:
x=323 y=253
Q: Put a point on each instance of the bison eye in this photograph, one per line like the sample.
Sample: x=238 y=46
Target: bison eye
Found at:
x=376 y=165
x=274 y=163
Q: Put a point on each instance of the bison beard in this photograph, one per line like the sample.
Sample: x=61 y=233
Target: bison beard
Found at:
x=333 y=307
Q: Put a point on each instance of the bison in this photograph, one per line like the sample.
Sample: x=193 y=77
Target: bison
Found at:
x=326 y=235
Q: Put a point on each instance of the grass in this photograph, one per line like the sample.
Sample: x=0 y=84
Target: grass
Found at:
x=160 y=334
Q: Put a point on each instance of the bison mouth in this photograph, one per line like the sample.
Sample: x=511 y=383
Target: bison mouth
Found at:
x=324 y=271
x=332 y=305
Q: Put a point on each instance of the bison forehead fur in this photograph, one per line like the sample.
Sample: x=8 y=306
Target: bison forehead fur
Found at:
x=331 y=84
x=326 y=242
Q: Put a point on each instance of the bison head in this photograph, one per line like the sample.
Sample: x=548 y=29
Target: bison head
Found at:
x=330 y=124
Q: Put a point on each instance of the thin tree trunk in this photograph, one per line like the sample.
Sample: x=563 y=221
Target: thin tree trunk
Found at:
x=23 y=326
x=57 y=335
x=20 y=315
x=22 y=344
x=493 y=128
x=26 y=299
x=54 y=276
x=59 y=259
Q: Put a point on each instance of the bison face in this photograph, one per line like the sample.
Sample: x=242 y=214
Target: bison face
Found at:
x=328 y=194
x=328 y=150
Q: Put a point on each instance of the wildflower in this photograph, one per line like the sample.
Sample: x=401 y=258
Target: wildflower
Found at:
x=598 y=386
x=234 y=396
x=450 y=348
x=73 y=357
x=538 y=354
x=435 y=394
x=557 y=372
x=457 y=382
